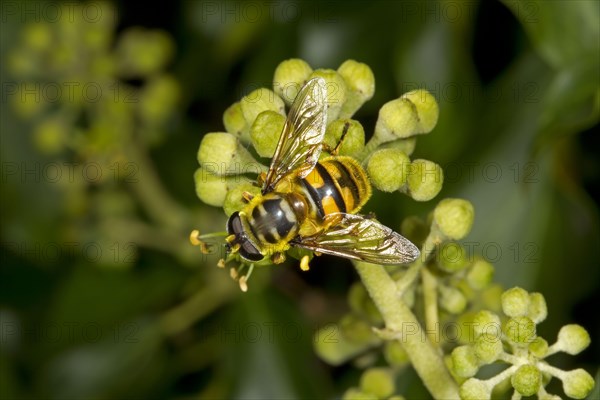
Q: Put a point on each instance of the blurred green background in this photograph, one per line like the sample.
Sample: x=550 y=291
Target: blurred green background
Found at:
x=104 y=106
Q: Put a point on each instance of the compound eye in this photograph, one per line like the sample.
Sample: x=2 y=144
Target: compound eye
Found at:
x=249 y=252
x=234 y=224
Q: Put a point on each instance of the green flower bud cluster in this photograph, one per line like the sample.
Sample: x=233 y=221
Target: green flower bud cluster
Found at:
x=387 y=152
x=390 y=169
x=450 y=221
x=453 y=219
x=515 y=342
x=462 y=279
x=356 y=335
x=72 y=84
x=348 y=88
x=224 y=163
x=375 y=383
x=258 y=119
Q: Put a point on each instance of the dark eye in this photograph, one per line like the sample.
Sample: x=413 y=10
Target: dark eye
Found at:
x=249 y=252
x=234 y=224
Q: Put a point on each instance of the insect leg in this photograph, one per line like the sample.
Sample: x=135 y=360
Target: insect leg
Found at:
x=247 y=196
x=335 y=151
x=278 y=258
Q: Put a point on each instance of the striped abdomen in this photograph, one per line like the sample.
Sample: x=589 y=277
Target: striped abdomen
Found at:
x=335 y=185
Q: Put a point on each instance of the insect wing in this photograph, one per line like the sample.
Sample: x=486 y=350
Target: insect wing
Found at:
x=299 y=146
x=361 y=238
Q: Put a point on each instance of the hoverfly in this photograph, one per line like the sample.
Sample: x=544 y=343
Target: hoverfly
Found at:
x=310 y=203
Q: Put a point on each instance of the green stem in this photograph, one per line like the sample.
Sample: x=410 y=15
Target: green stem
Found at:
x=156 y=201
x=495 y=380
x=198 y=306
x=398 y=317
x=144 y=235
x=370 y=147
x=432 y=241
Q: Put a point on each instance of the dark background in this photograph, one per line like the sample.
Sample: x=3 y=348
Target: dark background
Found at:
x=518 y=89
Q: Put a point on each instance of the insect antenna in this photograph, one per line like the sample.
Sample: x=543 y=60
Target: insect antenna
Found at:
x=199 y=240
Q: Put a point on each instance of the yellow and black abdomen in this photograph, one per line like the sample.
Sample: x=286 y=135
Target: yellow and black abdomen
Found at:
x=336 y=185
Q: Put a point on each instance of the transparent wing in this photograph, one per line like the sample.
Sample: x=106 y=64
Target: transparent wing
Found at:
x=299 y=146
x=361 y=238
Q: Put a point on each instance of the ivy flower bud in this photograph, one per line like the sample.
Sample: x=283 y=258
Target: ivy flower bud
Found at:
x=378 y=381
x=480 y=274
x=406 y=145
x=142 y=52
x=488 y=349
x=491 y=297
x=527 y=380
x=361 y=304
x=465 y=324
x=335 y=348
x=51 y=135
x=265 y=132
x=360 y=82
x=356 y=329
x=413 y=113
x=515 y=302
x=539 y=347
x=520 y=330
x=486 y=323
x=290 y=75
x=158 y=98
x=475 y=389
x=235 y=123
x=357 y=297
x=356 y=394
x=452 y=300
x=538 y=310
x=395 y=354
x=572 y=339
x=336 y=91
x=260 y=100
x=578 y=383
x=548 y=396
x=398 y=119
x=453 y=218
x=354 y=137
x=425 y=180
x=387 y=169
x=38 y=36
x=212 y=189
x=414 y=229
x=222 y=154
x=427 y=109
x=464 y=361
x=234 y=200
x=452 y=257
